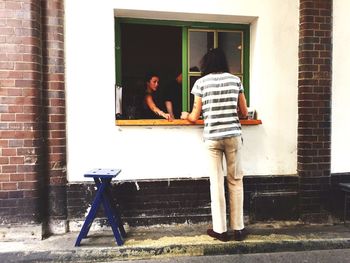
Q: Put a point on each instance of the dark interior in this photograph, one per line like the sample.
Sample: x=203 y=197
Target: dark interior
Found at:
x=147 y=48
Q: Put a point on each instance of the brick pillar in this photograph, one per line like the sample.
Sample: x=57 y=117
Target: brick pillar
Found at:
x=20 y=104
x=32 y=112
x=54 y=127
x=314 y=105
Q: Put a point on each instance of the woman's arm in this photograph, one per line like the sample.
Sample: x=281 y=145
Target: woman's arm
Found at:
x=242 y=105
x=150 y=103
x=196 y=110
x=169 y=108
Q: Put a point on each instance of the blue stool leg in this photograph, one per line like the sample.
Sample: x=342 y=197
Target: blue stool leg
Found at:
x=120 y=224
x=91 y=215
x=98 y=183
x=111 y=219
x=116 y=214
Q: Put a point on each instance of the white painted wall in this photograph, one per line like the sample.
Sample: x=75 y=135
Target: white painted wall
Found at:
x=167 y=152
x=341 y=88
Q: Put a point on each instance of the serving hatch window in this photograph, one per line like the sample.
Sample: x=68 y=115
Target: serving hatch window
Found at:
x=167 y=49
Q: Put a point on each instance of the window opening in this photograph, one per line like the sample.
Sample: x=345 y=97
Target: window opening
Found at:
x=169 y=48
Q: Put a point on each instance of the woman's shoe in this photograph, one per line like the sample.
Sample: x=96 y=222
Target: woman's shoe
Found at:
x=240 y=235
x=222 y=237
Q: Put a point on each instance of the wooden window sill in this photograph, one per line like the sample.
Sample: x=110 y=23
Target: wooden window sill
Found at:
x=177 y=122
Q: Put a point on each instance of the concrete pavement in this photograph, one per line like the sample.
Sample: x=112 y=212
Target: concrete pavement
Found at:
x=164 y=241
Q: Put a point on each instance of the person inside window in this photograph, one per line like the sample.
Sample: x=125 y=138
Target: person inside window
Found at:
x=173 y=97
x=152 y=104
x=219 y=94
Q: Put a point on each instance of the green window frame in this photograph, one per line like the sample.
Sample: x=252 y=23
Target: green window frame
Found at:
x=187 y=26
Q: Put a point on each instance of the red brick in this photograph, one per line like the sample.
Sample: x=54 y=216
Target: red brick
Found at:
x=4 y=177
x=16 y=177
x=8 y=152
x=58 y=180
x=15 y=126
x=16 y=160
x=9 y=169
x=56 y=86
x=30 y=177
x=4 y=160
x=8 y=117
x=27 y=185
x=7 y=83
x=57 y=118
x=25 y=117
x=56 y=157
x=4 y=143
x=15 y=108
x=57 y=142
x=16 y=194
x=15 y=143
x=3 y=195
x=26 y=168
x=59 y=150
x=30 y=193
x=57 y=102
x=56 y=126
x=13 y=5
x=58 y=134
x=9 y=186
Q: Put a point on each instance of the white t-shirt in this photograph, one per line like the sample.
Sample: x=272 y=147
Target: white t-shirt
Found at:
x=219 y=93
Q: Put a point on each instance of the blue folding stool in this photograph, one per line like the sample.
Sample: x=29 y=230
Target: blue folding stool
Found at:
x=103 y=178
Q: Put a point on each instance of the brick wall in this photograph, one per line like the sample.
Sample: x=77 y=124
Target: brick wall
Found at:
x=314 y=105
x=20 y=138
x=32 y=111
x=188 y=200
x=54 y=118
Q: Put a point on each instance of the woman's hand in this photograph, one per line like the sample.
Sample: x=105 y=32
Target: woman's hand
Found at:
x=166 y=116
x=184 y=115
x=196 y=110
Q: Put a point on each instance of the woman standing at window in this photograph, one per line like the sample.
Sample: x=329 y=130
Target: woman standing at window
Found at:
x=152 y=99
x=220 y=94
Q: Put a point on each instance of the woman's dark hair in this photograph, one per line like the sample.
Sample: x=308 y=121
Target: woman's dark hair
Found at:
x=214 y=61
x=149 y=75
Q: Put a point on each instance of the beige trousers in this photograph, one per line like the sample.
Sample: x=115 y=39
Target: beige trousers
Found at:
x=230 y=148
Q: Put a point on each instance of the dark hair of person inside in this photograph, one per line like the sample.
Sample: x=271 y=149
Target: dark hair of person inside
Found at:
x=149 y=75
x=213 y=62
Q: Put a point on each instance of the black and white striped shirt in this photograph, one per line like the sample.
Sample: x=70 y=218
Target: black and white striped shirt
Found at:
x=219 y=93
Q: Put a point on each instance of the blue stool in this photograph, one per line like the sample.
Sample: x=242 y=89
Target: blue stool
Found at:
x=103 y=178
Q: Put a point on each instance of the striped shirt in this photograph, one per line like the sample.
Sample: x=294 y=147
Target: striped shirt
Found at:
x=219 y=93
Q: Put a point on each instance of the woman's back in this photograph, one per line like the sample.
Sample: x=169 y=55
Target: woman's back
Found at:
x=219 y=93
